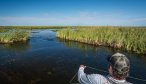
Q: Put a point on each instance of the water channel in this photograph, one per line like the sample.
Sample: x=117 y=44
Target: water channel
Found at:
x=46 y=59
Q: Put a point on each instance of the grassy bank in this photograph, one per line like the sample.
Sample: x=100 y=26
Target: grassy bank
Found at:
x=12 y=36
x=32 y=27
x=132 y=38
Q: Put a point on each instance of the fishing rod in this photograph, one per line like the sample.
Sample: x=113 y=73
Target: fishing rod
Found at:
x=104 y=72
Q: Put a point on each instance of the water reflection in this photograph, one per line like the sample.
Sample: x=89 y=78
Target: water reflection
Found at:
x=18 y=47
x=81 y=46
x=87 y=47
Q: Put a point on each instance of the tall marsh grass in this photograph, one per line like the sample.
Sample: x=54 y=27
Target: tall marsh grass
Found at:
x=132 y=39
x=12 y=36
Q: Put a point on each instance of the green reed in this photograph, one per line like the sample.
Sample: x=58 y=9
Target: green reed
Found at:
x=129 y=38
x=12 y=36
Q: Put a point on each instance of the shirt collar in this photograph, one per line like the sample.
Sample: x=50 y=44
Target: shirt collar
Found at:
x=115 y=80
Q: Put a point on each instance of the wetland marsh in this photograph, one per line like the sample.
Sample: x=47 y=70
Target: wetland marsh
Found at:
x=46 y=59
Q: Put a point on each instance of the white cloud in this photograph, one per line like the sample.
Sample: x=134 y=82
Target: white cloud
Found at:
x=138 y=19
x=80 y=18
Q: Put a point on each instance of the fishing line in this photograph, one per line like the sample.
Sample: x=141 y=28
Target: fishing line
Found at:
x=97 y=69
x=105 y=72
x=73 y=78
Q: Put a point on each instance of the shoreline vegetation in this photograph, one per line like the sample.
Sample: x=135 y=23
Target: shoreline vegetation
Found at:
x=127 y=38
x=33 y=27
x=131 y=38
x=62 y=27
x=13 y=36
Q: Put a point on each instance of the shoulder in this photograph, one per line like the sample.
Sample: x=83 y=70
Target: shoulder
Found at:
x=98 y=78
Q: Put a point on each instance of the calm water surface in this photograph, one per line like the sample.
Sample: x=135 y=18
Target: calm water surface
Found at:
x=45 y=59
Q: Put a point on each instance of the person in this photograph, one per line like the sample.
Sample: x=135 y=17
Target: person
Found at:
x=118 y=69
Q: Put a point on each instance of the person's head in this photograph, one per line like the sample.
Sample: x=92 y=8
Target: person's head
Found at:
x=119 y=66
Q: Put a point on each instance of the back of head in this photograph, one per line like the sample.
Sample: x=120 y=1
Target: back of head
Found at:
x=120 y=65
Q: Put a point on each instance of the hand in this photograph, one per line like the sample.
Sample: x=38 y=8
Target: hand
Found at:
x=82 y=66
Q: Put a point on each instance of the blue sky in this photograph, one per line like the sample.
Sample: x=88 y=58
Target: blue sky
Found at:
x=73 y=12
